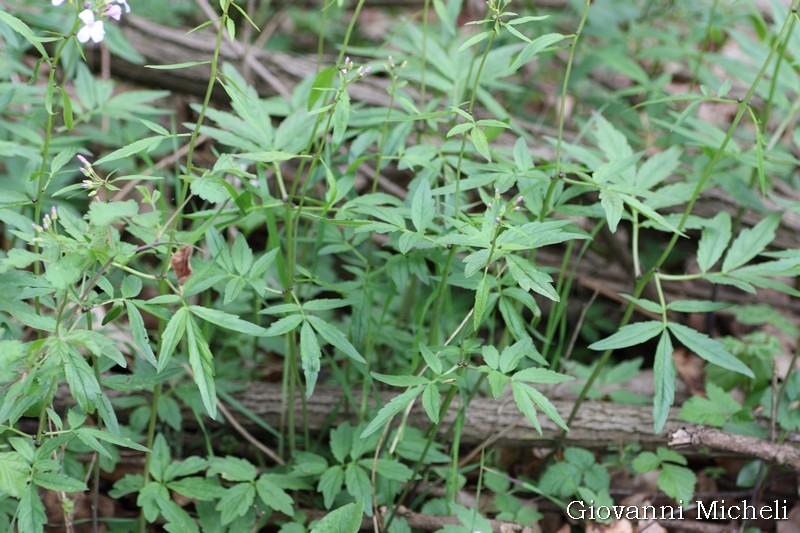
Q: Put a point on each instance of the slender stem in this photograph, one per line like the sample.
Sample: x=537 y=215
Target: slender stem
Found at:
x=562 y=111
x=212 y=79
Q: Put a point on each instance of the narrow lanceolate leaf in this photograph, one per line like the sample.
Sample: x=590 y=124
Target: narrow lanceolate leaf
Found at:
x=547 y=407
x=713 y=241
x=432 y=402
x=336 y=338
x=431 y=359
x=23 y=29
x=481 y=297
x=310 y=355
x=541 y=375
x=630 y=335
x=139 y=333
x=284 y=325
x=525 y=404
x=474 y=39
x=397 y=404
x=751 y=242
x=709 y=349
x=228 y=321
x=480 y=142
x=172 y=336
x=202 y=363
x=534 y=47
x=81 y=378
x=422 y=206
x=664 y=376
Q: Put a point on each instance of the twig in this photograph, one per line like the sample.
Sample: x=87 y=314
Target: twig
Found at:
x=694 y=437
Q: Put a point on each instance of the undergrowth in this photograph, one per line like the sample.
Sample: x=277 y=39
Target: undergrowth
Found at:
x=466 y=210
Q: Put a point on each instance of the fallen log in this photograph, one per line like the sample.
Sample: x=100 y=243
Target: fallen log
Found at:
x=598 y=425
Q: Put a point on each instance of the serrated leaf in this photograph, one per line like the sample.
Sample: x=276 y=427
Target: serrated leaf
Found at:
x=697 y=306
x=491 y=356
x=310 y=355
x=330 y=484
x=540 y=375
x=336 y=338
x=658 y=168
x=713 y=241
x=630 y=335
x=236 y=501
x=14 y=473
x=284 y=325
x=358 y=485
x=677 y=482
x=646 y=462
x=23 y=29
x=232 y=468
x=751 y=242
x=664 y=375
x=202 y=362
x=422 y=206
x=345 y=519
x=708 y=348
x=341 y=441
x=228 y=321
x=146 y=144
x=480 y=142
x=431 y=402
x=400 y=381
x=274 y=496
x=58 y=482
x=481 y=299
x=139 y=334
x=172 y=336
x=546 y=407
x=525 y=404
x=82 y=381
x=433 y=362
x=395 y=405
x=106 y=213
x=211 y=189
x=531 y=278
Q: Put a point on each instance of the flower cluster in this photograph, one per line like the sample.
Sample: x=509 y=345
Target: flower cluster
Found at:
x=360 y=71
x=93 y=183
x=92 y=25
x=48 y=221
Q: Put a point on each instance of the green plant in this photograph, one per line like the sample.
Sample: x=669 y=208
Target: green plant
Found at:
x=426 y=246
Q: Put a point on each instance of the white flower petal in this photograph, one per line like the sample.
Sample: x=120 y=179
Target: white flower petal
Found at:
x=87 y=17
x=98 y=31
x=84 y=34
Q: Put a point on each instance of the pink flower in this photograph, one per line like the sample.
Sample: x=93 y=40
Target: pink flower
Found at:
x=92 y=29
x=58 y=2
x=114 y=12
x=124 y=3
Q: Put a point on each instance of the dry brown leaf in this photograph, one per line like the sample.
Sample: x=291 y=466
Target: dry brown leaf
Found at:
x=181 y=265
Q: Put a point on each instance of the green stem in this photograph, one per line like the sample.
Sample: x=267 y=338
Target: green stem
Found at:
x=562 y=111
x=212 y=79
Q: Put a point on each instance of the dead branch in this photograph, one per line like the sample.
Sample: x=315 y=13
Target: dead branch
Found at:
x=700 y=437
